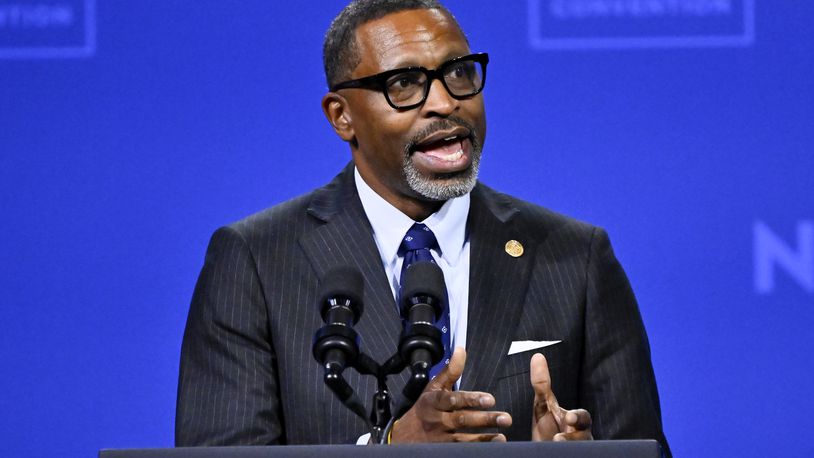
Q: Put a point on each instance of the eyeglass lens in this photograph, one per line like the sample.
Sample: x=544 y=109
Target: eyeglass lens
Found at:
x=461 y=78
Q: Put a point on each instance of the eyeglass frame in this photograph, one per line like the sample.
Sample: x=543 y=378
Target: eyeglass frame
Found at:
x=379 y=80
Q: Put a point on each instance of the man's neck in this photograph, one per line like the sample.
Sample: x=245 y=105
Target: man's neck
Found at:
x=415 y=208
x=418 y=210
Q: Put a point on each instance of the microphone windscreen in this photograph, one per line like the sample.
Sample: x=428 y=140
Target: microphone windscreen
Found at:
x=423 y=278
x=342 y=282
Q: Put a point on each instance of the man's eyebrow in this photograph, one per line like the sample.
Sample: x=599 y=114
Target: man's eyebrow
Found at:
x=411 y=63
x=454 y=55
x=404 y=64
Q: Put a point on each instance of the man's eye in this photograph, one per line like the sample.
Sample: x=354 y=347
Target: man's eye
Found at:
x=462 y=70
x=404 y=81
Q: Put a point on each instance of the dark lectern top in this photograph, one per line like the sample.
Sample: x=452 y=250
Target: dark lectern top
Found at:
x=589 y=449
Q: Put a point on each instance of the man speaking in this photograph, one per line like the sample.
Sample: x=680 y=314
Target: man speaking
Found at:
x=549 y=343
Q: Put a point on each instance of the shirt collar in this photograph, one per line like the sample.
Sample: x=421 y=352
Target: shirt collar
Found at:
x=390 y=224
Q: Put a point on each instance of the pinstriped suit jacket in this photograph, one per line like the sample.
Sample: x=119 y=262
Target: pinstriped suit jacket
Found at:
x=247 y=375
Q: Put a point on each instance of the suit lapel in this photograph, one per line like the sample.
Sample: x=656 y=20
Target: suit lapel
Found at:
x=346 y=239
x=497 y=285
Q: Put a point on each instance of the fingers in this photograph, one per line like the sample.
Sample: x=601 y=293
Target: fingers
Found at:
x=446 y=379
x=574 y=436
x=577 y=420
x=543 y=428
x=577 y=427
x=550 y=420
x=544 y=400
x=462 y=437
x=456 y=400
x=475 y=419
x=441 y=414
x=541 y=378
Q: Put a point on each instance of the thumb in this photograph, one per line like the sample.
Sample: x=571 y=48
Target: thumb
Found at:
x=446 y=379
x=541 y=379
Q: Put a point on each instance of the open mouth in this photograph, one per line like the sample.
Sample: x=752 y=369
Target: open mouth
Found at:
x=444 y=152
x=447 y=149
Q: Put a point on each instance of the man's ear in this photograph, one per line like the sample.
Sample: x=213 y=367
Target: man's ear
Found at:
x=337 y=111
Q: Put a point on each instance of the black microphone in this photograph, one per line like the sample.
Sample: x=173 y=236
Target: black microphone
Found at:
x=423 y=294
x=336 y=345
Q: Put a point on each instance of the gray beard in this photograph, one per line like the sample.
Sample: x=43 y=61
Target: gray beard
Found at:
x=443 y=187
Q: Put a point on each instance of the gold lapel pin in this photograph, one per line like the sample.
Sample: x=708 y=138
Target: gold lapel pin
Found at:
x=514 y=248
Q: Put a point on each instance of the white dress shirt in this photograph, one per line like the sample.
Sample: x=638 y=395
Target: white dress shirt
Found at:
x=449 y=226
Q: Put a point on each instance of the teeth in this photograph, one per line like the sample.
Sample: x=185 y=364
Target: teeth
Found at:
x=454 y=156
x=450 y=138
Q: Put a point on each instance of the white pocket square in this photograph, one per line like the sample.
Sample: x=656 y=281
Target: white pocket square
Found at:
x=519 y=346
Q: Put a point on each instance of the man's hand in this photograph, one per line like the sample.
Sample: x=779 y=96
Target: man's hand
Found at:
x=550 y=421
x=440 y=413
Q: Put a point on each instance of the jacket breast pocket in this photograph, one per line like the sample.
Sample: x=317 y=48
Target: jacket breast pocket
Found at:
x=519 y=363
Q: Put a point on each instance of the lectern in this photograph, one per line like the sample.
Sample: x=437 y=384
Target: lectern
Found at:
x=587 y=449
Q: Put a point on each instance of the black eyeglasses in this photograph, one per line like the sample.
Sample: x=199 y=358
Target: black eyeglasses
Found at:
x=406 y=88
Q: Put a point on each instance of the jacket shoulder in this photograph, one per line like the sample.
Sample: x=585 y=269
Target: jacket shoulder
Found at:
x=536 y=219
x=282 y=222
x=290 y=218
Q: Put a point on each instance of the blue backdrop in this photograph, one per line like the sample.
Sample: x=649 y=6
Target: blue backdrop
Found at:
x=129 y=131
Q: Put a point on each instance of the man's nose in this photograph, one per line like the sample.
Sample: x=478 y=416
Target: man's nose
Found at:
x=439 y=101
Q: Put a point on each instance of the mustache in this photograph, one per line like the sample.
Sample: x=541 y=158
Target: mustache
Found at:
x=447 y=123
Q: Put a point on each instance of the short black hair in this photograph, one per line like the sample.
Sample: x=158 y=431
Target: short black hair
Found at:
x=340 y=53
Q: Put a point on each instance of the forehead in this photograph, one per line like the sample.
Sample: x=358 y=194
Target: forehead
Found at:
x=424 y=37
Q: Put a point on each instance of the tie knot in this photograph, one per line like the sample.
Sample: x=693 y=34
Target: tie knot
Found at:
x=419 y=237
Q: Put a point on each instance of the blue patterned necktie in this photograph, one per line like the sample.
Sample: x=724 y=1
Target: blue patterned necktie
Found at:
x=416 y=247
